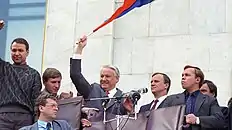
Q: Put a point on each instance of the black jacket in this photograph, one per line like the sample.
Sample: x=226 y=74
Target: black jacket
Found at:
x=94 y=90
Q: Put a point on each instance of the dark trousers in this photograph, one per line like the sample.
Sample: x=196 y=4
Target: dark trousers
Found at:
x=14 y=121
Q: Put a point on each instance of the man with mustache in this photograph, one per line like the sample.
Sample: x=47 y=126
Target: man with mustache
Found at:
x=19 y=87
x=202 y=111
x=46 y=110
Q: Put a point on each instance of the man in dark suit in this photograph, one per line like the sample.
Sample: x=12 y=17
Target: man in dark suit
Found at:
x=160 y=85
x=109 y=77
x=202 y=111
x=46 y=110
x=209 y=88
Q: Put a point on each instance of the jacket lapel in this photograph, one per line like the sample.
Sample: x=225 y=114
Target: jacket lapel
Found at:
x=199 y=101
x=112 y=102
x=149 y=105
x=35 y=126
x=56 y=125
x=180 y=99
x=160 y=105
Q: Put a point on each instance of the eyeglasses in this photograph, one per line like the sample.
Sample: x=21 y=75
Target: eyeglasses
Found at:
x=52 y=105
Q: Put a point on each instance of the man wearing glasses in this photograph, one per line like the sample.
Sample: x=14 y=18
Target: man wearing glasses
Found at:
x=46 y=110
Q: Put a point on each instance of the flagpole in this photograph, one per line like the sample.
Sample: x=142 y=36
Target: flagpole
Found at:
x=89 y=34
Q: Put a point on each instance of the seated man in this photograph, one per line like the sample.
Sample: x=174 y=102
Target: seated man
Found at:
x=52 y=80
x=46 y=110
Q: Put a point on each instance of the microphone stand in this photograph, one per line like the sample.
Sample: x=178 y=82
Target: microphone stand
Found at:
x=118 y=117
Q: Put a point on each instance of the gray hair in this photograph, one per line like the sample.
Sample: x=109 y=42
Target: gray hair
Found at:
x=114 y=68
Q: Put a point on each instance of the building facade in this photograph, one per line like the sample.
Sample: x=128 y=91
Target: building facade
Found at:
x=163 y=36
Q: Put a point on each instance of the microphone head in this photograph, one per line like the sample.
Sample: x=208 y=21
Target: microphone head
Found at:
x=135 y=96
x=143 y=90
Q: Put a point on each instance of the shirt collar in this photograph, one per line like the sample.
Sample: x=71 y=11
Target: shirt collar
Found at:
x=47 y=92
x=112 y=92
x=195 y=93
x=21 y=66
x=161 y=98
x=43 y=124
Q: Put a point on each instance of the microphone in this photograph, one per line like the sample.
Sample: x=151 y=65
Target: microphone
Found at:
x=142 y=90
x=134 y=95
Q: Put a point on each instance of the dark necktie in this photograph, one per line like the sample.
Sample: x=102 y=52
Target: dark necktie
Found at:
x=49 y=126
x=189 y=104
x=154 y=104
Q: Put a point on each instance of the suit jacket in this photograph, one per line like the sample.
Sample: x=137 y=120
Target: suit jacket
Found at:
x=94 y=90
x=206 y=108
x=147 y=107
x=226 y=116
x=57 y=125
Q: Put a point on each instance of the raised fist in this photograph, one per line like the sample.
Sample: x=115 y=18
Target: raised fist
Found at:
x=82 y=42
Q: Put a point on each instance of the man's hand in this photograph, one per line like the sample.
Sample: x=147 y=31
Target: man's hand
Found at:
x=85 y=122
x=191 y=119
x=1 y=24
x=64 y=95
x=80 y=45
x=128 y=105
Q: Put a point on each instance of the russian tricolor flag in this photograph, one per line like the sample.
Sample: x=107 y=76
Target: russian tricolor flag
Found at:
x=127 y=6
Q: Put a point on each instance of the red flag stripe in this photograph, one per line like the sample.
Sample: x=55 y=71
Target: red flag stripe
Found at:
x=127 y=4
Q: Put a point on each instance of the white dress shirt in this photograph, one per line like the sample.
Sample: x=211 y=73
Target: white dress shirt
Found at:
x=160 y=100
x=42 y=125
x=77 y=56
x=112 y=92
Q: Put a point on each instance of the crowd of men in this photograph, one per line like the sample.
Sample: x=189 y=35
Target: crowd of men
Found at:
x=24 y=106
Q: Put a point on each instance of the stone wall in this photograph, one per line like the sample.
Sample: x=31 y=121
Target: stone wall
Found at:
x=163 y=36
